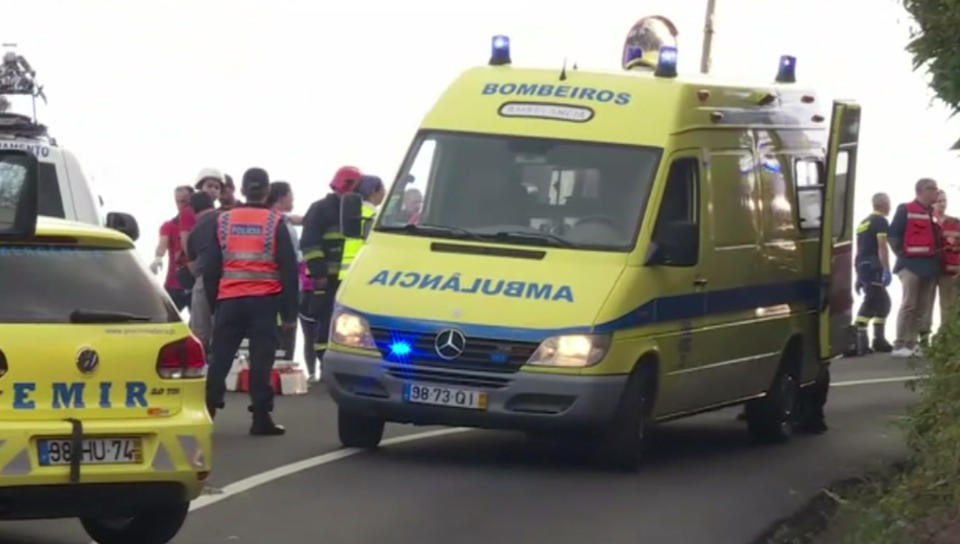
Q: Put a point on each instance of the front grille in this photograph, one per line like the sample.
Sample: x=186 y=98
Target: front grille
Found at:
x=479 y=354
x=448 y=377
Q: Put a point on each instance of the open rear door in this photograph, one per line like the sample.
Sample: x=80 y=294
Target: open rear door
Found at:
x=836 y=234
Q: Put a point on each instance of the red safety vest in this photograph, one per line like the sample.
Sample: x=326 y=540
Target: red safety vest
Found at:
x=918 y=237
x=250 y=268
x=950 y=236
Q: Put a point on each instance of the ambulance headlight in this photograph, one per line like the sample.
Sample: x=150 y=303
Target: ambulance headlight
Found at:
x=500 y=51
x=572 y=350
x=350 y=330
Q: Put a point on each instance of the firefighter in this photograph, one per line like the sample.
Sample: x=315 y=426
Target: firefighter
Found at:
x=873 y=276
x=250 y=277
x=322 y=245
x=913 y=238
x=372 y=190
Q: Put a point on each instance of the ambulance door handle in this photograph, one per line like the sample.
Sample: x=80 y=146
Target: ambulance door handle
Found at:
x=700 y=282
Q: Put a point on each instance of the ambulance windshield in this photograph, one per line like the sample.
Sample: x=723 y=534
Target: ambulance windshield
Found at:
x=522 y=190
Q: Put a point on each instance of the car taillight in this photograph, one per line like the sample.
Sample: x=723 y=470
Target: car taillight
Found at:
x=181 y=359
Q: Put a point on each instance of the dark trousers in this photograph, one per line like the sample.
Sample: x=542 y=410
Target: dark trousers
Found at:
x=254 y=318
x=180 y=297
x=875 y=306
x=308 y=324
x=322 y=305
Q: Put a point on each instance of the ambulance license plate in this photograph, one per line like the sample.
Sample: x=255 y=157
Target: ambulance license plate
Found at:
x=93 y=451
x=444 y=396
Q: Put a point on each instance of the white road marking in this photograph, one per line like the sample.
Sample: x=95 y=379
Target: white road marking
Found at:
x=257 y=480
x=852 y=383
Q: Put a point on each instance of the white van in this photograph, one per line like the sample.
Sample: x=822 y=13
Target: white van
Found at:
x=64 y=190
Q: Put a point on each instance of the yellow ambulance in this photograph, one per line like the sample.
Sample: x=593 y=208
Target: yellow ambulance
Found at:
x=102 y=413
x=566 y=250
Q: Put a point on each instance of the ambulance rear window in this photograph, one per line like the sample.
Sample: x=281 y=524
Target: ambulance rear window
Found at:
x=47 y=283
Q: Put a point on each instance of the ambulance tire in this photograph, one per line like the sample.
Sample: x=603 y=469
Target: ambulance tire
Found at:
x=157 y=526
x=359 y=431
x=770 y=418
x=622 y=444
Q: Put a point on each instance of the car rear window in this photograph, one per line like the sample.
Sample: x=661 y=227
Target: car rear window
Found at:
x=47 y=283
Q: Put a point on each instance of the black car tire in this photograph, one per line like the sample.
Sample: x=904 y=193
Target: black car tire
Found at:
x=358 y=430
x=157 y=526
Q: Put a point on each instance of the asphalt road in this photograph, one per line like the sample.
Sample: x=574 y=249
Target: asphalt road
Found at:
x=703 y=482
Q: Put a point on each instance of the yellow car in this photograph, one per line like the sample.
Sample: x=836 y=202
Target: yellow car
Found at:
x=102 y=413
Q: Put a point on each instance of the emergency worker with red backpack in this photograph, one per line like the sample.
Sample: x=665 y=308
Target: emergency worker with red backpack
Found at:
x=250 y=278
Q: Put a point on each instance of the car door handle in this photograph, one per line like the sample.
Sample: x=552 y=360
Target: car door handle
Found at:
x=700 y=282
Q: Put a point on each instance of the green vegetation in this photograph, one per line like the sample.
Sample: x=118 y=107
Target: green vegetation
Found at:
x=922 y=503
x=936 y=48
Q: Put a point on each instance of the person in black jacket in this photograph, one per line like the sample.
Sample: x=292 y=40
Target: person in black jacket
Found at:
x=322 y=245
x=247 y=291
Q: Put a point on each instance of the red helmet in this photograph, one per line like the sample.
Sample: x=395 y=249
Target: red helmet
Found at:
x=345 y=178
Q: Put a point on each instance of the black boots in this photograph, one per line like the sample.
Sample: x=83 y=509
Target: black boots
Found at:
x=880 y=344
x=263 y=425
x=863 y=342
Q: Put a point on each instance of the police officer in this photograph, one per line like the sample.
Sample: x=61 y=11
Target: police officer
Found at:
x=371 y=189
x=250 y=277
x=873 y=276
x=322 y=245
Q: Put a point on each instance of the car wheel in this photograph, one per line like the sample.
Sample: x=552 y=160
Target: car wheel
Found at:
x=359 y=431
x=622 y=444
x=157 y=526
x=770 y=418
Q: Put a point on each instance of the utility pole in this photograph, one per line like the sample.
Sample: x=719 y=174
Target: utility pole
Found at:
x=707 y=37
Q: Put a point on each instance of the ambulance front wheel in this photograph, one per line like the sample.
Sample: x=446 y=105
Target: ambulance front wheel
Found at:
x=622 y=444
x=359 y=431
x=157 y=526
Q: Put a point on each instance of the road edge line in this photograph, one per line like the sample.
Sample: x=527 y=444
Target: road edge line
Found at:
x=268 y=476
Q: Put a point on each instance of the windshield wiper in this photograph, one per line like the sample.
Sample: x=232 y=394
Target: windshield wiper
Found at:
x=542 y=236
x=456 y=232
x=100 y=316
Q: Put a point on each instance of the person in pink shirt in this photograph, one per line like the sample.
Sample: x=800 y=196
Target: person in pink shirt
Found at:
x=170 y=245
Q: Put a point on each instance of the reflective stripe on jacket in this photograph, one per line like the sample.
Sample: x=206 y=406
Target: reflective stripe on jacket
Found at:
x=246 y=237
x=918 y=237
x=351 y=246
x=950 y=236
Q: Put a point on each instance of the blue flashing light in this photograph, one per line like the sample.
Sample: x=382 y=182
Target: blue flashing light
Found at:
x=400 y=349
x=788 y=70
x=667 y=62
x=632 y=54
x=500 y=50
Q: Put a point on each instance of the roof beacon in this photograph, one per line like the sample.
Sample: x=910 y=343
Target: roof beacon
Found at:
x=788 y=70
x=667 y=63
x=500 y=51
x=632 y=57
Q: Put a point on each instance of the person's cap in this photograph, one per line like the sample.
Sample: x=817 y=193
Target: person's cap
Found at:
x=256 y=179
x=345 y=178
x=209 y=173
x=367 y=186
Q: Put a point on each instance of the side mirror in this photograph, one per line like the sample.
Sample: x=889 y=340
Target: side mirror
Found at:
x=18 y=194
x=124 y=223
x=676 y=244
x=351 y=215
